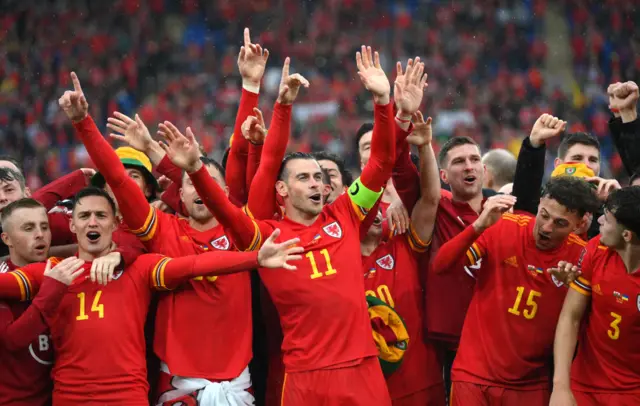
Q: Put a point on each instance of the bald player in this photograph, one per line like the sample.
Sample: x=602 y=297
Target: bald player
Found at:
x=501 y=168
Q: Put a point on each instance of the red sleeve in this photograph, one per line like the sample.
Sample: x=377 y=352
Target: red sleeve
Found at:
x=129 y=254
x=60 y=232
x=405 y=175
x=255 y=153
x=169 y=273
x=22 y=284
x=369 y=218
x=133 y=205
x=262 y=194
x=60 y=189
x=19 y=333
x=236 y=168
x=383 y=149
x=582 y=284
x=246 y=233
x=170 y=170
x=171 y=197
x=465 y=249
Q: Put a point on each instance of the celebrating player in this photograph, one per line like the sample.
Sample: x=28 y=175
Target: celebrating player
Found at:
x=606 y=368
x=98 y=331
x=316 y=304
x=507 y=337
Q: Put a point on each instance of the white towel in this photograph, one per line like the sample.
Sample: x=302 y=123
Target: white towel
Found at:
x=227 y=393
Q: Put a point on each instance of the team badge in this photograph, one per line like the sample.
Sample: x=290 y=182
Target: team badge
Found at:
x=4 y=268
x=556 y=281
x=620 y=297
x=333 y=230
x=533 y=270
x=221 y=243
x=570 y=170
x=638 y=302
x=117 y=275
x=386 y=262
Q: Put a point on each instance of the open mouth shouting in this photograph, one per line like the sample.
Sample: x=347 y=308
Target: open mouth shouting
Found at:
x=316 y=198
x=198 y=201
x=470 y=180
x=40 y=248
x=93 y=236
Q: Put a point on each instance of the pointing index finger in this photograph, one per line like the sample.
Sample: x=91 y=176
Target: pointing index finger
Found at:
x=247 y=37
x=76 y=82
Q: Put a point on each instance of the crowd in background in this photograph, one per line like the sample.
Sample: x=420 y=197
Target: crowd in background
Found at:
x=176 y=60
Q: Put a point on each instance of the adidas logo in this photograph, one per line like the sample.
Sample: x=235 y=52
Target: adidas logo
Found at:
x=513 y=261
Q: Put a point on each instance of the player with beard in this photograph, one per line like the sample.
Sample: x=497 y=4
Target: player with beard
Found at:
x=187 y=346
x=391 y=274
x=98 y=331
x=507 y=338
x=605 y=300
x=324 y=365
x=25 y=352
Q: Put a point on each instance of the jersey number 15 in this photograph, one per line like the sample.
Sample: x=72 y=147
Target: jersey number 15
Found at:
x=531 y=306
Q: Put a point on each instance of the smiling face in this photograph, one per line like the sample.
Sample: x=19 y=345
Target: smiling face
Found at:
x=192 y=202
x=375 y=231
x=464 y=171
x=554 y=223
x=302 y=187
x=93 y=221
x=27 y=235
x=337 y=187
x=364 y=148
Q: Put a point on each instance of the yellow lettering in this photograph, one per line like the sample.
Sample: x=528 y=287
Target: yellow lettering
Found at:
x=530 y=312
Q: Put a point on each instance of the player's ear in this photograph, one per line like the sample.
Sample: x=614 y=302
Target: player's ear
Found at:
x=5 y=239
x=557 y=162
x=27 y=192
x=281 y=188
x=72 y=226
x=443 y=176
x=627 y=235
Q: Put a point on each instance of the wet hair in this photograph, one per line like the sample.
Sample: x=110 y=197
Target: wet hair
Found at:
x=624 y=204
x=24 y=203
x=364 y=128
x=9 y=158
x=451 y=144
x=93 y=191
x=283 y=174
x=9 y=175
x=572 y=139
x=573 y=193
x=347 y=178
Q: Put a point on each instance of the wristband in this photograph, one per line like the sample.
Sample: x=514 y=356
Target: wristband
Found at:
x=362 y=195
x=251 y=88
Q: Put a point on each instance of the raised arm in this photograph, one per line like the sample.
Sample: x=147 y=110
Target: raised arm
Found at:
x=423 y=216
x=408 y=86
x=378 y=169
x=184 y=152
x=564 y=346
x=63 y=188
x=132 y=202
x=625 y=126
x=530 y=167
x=17 y=334
x=169 y=273
x=262 y=195
x=466 y=248
x=252 y=60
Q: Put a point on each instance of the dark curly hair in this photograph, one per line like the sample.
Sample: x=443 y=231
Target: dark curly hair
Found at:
x=573 y=193
x=347 y=178
x=624 y=204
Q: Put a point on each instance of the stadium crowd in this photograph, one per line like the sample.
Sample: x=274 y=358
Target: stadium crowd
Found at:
x=205 y=251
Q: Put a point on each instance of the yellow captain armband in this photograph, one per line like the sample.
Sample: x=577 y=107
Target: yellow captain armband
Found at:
x=362 y=196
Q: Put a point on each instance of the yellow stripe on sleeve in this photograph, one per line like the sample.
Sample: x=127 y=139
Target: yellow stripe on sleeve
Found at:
x=360 y=211
x=256 y=242
x=24 y=284
x=581 y=285
x=148 y=229
x=158 y=274
x=415 y=242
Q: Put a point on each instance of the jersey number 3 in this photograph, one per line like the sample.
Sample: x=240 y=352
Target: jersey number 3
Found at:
x=532 y=307
x=96 y=306
x=314 y=266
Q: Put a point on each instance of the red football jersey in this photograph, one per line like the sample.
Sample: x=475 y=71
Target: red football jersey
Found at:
x=323 y=298
x=24 y=374
x=608 y=358
x=507 y=338
x=391 y=275
x=452 y=290
x=184 y=338
x=98 y=334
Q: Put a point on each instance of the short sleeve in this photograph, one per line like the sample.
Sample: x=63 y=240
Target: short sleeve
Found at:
x=582 y=284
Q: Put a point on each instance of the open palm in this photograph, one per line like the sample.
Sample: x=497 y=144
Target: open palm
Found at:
x=183 y=151
x=371 y=74
x=134 y=132
x=409 y=87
